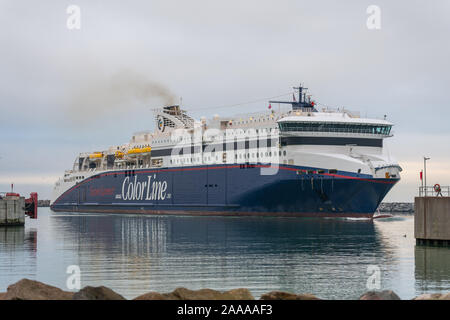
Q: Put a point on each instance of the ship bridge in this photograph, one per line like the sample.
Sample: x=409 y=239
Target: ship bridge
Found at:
x=332 y=123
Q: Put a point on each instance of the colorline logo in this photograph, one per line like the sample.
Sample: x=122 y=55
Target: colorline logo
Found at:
x=132 y=189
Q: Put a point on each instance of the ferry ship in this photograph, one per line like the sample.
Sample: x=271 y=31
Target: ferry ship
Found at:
x=299 y=160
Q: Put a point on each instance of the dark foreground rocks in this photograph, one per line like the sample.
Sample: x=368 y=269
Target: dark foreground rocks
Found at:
x=280 y=295
x=34 y=290
x=433 y=296
x=380 y=295
x=202 y=294
x=97 y=293
x=26 y=289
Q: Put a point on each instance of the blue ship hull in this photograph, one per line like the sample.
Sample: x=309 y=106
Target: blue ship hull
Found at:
x=238 y=189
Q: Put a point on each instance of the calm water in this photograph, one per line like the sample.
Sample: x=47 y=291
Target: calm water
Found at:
x=135 y=254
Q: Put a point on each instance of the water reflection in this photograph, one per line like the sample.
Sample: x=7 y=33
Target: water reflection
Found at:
x=134 y=254
x=432 y=270
x=18 y=249
x=13 y=238
x=327 y=257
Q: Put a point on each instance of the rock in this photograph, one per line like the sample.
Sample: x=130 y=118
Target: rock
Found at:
x=202 y=294
x=238 y=294
x=151 y=296
x=97 y=293
x=428 y=296
x=280 y=295
x=380 y=295
x=209 y=294
x=445 y=296
x=26 y=289
x=433 y=296
x=2 y=295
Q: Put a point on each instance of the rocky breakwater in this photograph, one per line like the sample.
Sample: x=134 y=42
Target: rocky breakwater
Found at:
x=26 y=289
x=397 y=207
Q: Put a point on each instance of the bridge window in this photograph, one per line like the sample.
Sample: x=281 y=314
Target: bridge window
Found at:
x=334 y=127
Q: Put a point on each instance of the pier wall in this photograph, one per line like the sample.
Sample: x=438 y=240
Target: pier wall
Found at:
x=432 y=220
x=12 y=210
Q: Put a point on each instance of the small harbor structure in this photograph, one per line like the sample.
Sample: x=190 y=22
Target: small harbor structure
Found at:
x=432 y=215
x=14 y=207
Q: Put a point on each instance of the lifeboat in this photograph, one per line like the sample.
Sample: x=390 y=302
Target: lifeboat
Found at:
x=96 y=155
x=136 y=151
x=146 y=150
x=119 y=154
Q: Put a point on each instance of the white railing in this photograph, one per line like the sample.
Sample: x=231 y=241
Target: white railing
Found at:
x=434 y=191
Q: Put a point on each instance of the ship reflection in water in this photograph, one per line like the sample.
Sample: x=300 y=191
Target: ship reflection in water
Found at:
x=135 y=254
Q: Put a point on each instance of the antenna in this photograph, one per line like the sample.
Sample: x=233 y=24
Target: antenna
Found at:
x=302 y=103
x=301 y=95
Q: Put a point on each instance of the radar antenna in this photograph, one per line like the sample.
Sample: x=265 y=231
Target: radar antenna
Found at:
x=302 y=104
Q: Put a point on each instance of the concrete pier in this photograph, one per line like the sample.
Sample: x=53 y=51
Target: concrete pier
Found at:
x=432 y=220
x=12 y=210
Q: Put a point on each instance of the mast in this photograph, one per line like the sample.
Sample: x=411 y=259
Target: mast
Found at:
x=301 y=104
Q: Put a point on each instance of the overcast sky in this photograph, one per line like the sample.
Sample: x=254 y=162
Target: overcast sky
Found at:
x=65 y=91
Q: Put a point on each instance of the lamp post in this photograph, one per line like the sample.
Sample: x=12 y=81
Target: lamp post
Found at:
x=425 y=172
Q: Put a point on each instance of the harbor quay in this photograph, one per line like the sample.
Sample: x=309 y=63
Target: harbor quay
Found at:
x=432 y=219
x=14 y=207
x=12 y=210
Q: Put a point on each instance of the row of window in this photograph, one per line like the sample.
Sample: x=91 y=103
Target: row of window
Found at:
x=236 y=156
x=238 y=132
x=74 y=178
x=335 y=127
x=319 y=171
x=252 y=120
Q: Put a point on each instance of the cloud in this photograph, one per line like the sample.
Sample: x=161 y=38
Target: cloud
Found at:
x=64 y=91
x=36 y=179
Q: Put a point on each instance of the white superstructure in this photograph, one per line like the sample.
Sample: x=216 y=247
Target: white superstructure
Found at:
x=304 y=136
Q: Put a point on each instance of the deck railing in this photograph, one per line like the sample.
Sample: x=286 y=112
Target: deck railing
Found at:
x=434 y=191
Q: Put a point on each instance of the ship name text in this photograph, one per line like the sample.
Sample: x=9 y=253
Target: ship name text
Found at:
x=132 y=189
